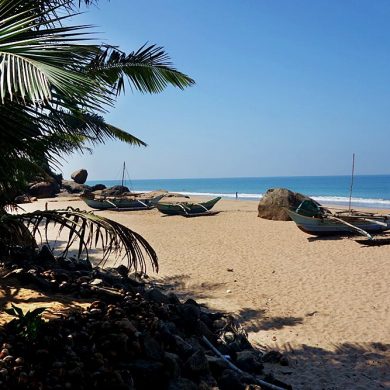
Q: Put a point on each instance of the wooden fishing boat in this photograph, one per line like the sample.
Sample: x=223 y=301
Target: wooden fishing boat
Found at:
x=314 y=219
x=188 y=209
x=125 y=202
x=121 y=202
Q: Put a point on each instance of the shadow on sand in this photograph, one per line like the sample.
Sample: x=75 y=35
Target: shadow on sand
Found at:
x=349 y=366
x=378 y=240
x=255 y=320
x=252 y=320
x=184 y=288
x=328 y=238
x=375 y=242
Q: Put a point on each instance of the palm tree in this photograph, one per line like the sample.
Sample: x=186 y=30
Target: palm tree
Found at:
x=55 y=87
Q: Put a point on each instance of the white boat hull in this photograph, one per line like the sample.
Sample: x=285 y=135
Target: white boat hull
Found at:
x=324 y=226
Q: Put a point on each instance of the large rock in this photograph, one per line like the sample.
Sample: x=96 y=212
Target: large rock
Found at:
x=74 y=188
x=115 y=191
x=80 y=176
x=276 y=201
x=98 y=187
x=43 y=189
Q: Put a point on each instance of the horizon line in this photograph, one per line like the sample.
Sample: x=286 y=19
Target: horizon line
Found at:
x=247 y=177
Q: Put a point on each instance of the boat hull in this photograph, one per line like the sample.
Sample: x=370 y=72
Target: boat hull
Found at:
x=323 y=226
x=121 y=203
x=184 y=208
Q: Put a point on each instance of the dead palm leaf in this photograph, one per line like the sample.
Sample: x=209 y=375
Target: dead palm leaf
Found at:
x=85 y=230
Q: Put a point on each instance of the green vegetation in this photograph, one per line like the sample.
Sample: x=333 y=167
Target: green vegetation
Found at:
x=55 y=87
x=26 y=324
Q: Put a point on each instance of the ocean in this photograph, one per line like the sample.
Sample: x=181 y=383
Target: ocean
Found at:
x=371 y=191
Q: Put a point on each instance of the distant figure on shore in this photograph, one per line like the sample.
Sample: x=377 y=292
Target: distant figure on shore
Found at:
x=236 y=195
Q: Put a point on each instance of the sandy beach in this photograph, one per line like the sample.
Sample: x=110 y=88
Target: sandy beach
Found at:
x=324 y=302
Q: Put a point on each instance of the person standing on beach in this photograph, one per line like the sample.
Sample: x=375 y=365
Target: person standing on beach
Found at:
x=236 y=195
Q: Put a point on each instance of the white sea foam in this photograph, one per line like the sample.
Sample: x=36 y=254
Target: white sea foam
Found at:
x=361 y=201
x=240 y=195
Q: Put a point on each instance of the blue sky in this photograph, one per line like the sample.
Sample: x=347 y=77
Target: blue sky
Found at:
x=284 y=87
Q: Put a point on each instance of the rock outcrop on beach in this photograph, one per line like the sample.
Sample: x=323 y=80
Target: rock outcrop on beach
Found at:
x=115 y=191
x=275 y=202
x=79 y=176
x=73 y=187
x=43 y=189
x=98 y=187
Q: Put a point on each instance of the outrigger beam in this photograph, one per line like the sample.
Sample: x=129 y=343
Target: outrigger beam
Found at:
x=353 y=227
x=108 y=201
x=376 y=222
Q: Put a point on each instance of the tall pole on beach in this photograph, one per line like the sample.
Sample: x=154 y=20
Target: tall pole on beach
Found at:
x=350 y=191
x=123 y=172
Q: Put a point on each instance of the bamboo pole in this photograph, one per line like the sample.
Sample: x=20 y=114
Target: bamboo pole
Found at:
x=353 y=171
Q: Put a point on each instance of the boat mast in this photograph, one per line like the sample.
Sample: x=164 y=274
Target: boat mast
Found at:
x=350 y=191
x=123 y=172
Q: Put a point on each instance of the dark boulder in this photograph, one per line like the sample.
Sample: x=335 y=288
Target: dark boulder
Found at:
x=276 y=201
x=115 y=190
x=74 y=188
x=98 y=187
x=80 y=176
x=43 y=189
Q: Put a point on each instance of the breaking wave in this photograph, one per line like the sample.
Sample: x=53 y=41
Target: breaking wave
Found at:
x=327 y=200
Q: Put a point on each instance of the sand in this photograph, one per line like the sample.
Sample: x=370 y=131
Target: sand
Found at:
x=324 y=302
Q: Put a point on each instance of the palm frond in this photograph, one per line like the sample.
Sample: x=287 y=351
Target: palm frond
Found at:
x=148 y=69
x=53 y=132
x=124 y=136
x=90 y=230
x=54 y=88
x=30 y=136
x=42 y=8
x=34 y=61
x=14 y=234
x=92 y=126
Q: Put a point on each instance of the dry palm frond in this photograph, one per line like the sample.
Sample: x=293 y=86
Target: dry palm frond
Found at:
x=87 y=230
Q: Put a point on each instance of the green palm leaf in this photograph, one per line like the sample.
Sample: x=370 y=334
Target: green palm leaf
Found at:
x=54 y=89
x=148 y=69
x=33 y=61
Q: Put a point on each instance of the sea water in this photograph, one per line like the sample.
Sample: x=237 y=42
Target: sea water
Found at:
x=368 y=190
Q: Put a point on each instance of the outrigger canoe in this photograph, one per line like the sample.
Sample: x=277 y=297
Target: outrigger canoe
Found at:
x=314 y=219
x=188 y=209
x=120 y=202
